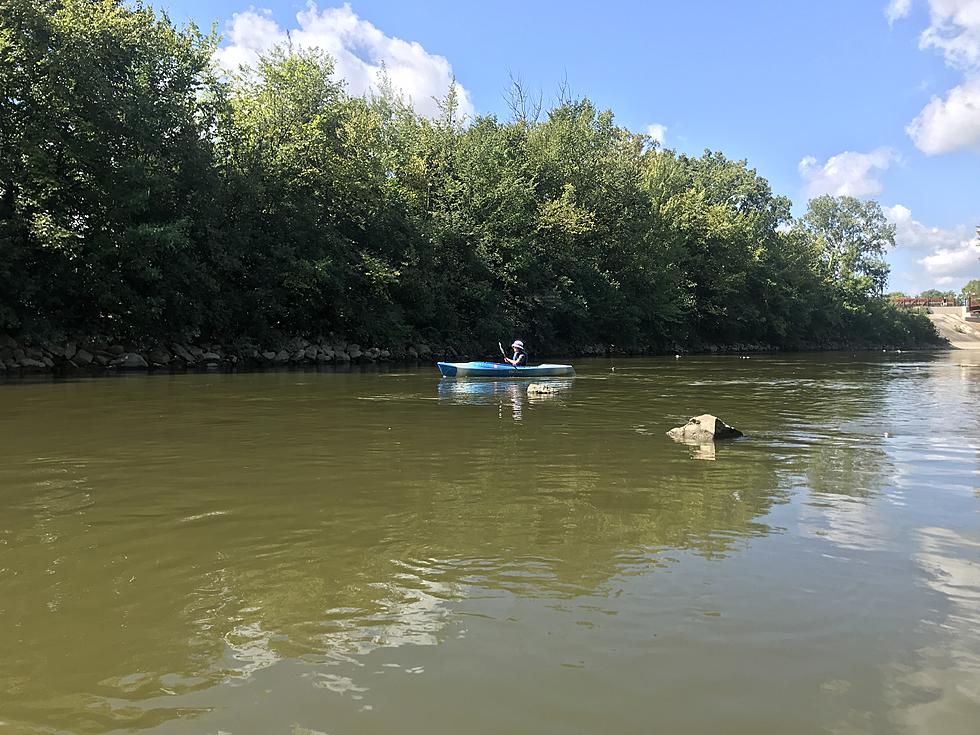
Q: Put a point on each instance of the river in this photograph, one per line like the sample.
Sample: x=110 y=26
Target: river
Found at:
x=382 y=551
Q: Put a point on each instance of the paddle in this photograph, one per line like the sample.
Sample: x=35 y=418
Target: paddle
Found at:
x=505 y=354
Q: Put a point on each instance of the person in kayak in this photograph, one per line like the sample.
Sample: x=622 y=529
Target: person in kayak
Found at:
x=520 y=354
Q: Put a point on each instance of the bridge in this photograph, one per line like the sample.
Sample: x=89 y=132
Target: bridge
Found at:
x=957 y=320
x=971 y=303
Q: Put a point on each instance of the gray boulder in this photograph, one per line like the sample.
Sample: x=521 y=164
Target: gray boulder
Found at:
x=159 y=356
x=182 y=352
x=83 y=357
x=130 y=361
x=704 y=428
x=55 y=350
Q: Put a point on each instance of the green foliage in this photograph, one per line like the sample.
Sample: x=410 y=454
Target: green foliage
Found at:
x=106 y=171
x=972 y=288
x=852 y=237
x=143 y=195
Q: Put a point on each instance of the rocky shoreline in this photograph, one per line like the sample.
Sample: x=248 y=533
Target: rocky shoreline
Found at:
x=102 y=354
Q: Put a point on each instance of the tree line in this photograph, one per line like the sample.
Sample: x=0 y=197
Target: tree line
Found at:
x=145 y=193
x=970 y=289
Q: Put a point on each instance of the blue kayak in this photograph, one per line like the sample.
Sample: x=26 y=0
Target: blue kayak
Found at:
x=501 y=370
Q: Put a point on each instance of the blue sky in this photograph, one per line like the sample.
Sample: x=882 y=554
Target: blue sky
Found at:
x=875 y=98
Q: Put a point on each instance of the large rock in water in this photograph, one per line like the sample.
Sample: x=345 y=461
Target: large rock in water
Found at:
x=704 y=428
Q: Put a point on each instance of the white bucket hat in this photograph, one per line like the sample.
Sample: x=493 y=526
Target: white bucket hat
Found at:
x=518 y=343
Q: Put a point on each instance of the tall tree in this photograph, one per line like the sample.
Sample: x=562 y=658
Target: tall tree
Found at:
x=106 y=169
x=852 y=237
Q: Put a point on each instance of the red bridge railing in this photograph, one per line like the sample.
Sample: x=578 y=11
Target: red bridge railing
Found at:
x=972 y=303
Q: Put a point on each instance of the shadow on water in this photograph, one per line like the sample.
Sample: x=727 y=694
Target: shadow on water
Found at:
x=167 y=545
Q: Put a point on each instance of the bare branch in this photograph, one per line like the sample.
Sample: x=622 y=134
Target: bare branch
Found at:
x=524 y=107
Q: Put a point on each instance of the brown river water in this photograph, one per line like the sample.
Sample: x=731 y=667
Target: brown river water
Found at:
x=383 y=551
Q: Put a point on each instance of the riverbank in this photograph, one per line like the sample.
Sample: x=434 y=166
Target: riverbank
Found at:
x=102 y=354
x=960 y=329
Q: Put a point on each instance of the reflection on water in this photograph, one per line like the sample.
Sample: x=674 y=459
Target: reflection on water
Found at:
x=703 y=450
x=950 y=665
x=511 y=395
x=338 y=552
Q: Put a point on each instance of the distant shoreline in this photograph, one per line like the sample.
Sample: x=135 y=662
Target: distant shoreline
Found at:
x=94 y=355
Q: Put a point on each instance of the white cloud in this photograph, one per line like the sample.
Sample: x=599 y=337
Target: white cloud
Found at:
x=361 y=52
x=251 y=32
x=658 y=132
x=948 y=256
x=847 y=173
x=952 y=122
x=948 y=265
x=948 y=124
x=897 y=9
x=954 y=29
x=911 y=233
